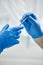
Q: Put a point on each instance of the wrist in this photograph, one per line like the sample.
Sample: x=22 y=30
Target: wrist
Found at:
x=38 y=35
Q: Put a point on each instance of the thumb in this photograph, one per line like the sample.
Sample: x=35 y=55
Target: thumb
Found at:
x=33 y=16
x=5 y=27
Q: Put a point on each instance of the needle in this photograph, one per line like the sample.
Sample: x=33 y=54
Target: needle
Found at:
x=25 y=21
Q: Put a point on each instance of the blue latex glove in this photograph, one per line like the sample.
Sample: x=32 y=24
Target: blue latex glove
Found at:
x=31 y=25
x=9 y=36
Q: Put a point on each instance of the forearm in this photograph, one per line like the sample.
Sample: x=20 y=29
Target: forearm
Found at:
x=39 y=41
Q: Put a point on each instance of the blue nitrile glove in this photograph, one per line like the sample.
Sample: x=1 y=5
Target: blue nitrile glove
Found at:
x=9 y=36
x=31 y=25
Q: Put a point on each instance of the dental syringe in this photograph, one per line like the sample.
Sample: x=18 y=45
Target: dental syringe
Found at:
x=25 y=21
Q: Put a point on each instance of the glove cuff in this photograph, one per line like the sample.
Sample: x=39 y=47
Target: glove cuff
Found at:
x=37 y=36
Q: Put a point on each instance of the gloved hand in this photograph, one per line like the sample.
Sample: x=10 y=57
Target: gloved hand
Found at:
x=31 y=25
x=9 y=36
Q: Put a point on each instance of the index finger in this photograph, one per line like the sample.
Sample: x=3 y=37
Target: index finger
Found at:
x=32 y=20
x=19 y=28
x=5 y=27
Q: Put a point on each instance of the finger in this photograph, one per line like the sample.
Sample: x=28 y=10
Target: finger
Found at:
x=15 y=32
x=14 y=41
x=23 y=20
x=5 y=27
x=18 y=33
x=33 y=16
x=11 y=41
x=27 y=23
x=12 y=34
x=16 y=37
x=32 y=20
x=14 y=29
x=29 y=20
x=17 y=41
x=24 y=17
x=19 y=28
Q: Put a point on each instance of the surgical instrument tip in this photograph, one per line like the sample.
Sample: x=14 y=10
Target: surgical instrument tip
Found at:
x=22 y=22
